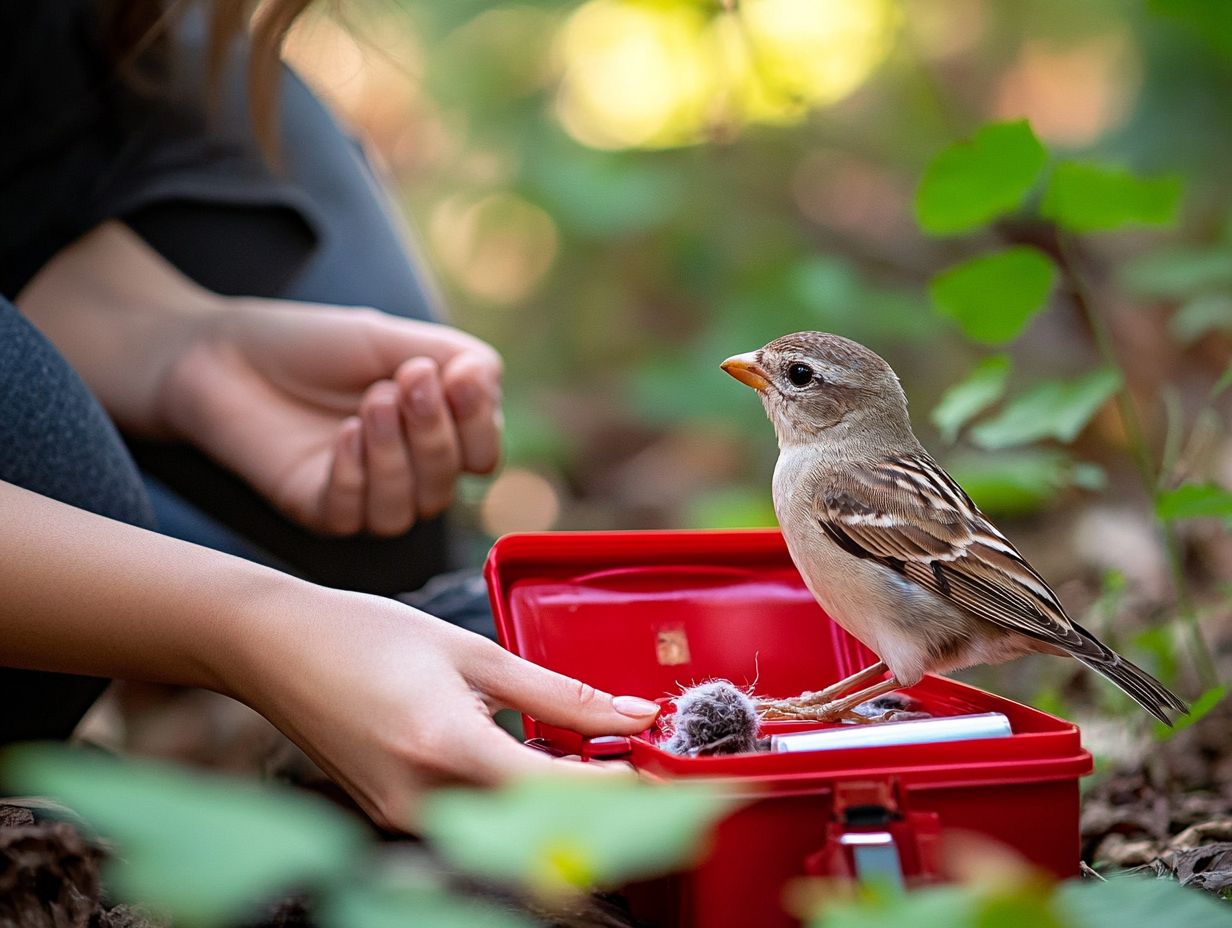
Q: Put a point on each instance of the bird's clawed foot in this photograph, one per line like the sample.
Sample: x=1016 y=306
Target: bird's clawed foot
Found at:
x=805 y=709
x=822 y=706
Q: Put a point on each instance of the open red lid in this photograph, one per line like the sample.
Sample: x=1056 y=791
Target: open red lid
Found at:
x=644 y=613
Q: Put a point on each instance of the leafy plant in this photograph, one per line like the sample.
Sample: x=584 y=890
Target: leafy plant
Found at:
x=1094 y=198
x=1017 y=281
x=977 y=180
x=993 y=296
x=204 y=849
x=564 y=834
x=1119 y=903
x=201 y=847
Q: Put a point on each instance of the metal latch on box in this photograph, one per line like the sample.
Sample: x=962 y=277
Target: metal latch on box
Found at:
x=873 y=838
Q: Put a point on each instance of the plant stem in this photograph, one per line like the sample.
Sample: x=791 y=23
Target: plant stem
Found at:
x=1204 y=663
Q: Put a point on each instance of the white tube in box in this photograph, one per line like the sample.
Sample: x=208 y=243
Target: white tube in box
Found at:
x=882 y=734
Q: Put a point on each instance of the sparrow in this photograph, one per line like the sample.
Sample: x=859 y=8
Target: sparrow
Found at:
x=890 y=545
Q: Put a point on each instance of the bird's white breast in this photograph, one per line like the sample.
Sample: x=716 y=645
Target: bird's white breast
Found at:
x=866 y=598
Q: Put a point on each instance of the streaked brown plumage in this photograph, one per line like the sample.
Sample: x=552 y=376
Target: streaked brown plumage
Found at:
x=887 y=541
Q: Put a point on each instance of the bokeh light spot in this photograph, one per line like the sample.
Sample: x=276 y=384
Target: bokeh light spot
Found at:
x=818 y=51
x=1073 y=96
x=497 y=247
x=519 y=501
x=634 y=75
x=640 y=75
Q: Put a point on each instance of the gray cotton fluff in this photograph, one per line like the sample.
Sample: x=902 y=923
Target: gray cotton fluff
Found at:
x=713 y=718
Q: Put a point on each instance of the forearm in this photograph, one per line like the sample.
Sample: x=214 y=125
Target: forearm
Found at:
x=121 y=315
x=85 y=594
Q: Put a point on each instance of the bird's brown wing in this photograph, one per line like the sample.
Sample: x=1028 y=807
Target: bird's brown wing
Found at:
x=910 y=515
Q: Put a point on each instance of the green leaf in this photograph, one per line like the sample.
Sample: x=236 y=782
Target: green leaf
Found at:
x=1193 y=501
x=974 y=181
x=390 y=903
x=993 y=296
x=1224 y=381
x=559 y=835
x=1123 y=902
x=1095 y=198
x=983 y=386
x=1178 y=273
x=1022 y=481
x=1057 y=409
x=1027 y=905
x=201 y=847
x=1209 y=19
x=930 y=907
x=1200 y=315
x=1201 y=707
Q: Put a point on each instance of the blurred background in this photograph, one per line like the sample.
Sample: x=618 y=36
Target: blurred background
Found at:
x=618 y=194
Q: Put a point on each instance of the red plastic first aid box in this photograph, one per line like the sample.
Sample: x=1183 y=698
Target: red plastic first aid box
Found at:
x=647 y=613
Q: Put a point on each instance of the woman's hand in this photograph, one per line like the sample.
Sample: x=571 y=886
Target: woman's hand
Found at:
x=391 y=702
x=347 y=420
x=387 y=699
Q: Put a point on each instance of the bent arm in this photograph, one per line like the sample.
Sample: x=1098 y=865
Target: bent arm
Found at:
x=388 y=700
x=345 y=420
x=121 y=316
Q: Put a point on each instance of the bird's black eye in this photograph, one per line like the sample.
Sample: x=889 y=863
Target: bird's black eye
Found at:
x=801 y=375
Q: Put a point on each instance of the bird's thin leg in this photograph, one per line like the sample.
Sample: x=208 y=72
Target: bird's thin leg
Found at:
x=771 y=708
x=842 y=708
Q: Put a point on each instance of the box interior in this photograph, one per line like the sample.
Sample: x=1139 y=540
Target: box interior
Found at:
x=649 y=613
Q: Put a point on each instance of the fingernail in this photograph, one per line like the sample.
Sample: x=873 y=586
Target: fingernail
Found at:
x=355 y=442
x=634 y=706
x=423 y=400
x=465 y=399
x=385 y=420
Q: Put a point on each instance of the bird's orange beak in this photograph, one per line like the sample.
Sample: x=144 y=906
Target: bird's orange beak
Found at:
x=744 y=367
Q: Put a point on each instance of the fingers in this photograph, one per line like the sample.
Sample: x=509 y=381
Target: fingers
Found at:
x=470 y=374
x=478 y=753
x=472 y=386
x=498 y=763
x=559 y=700
x=435 y=453
x=401 y=459
x=342 y=505
x=487 y=756
x=390 y=494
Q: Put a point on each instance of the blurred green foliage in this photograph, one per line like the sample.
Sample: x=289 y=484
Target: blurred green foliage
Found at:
x=1057 y=409
x=983 y=386
x=1194 y=501
x=641 y=265
x=565 y=834
x=407 y=897
x=201 y=847
x=205 y=849
x=1015 y=903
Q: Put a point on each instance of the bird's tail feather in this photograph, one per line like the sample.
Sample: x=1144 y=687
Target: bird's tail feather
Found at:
x=1139 y=685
